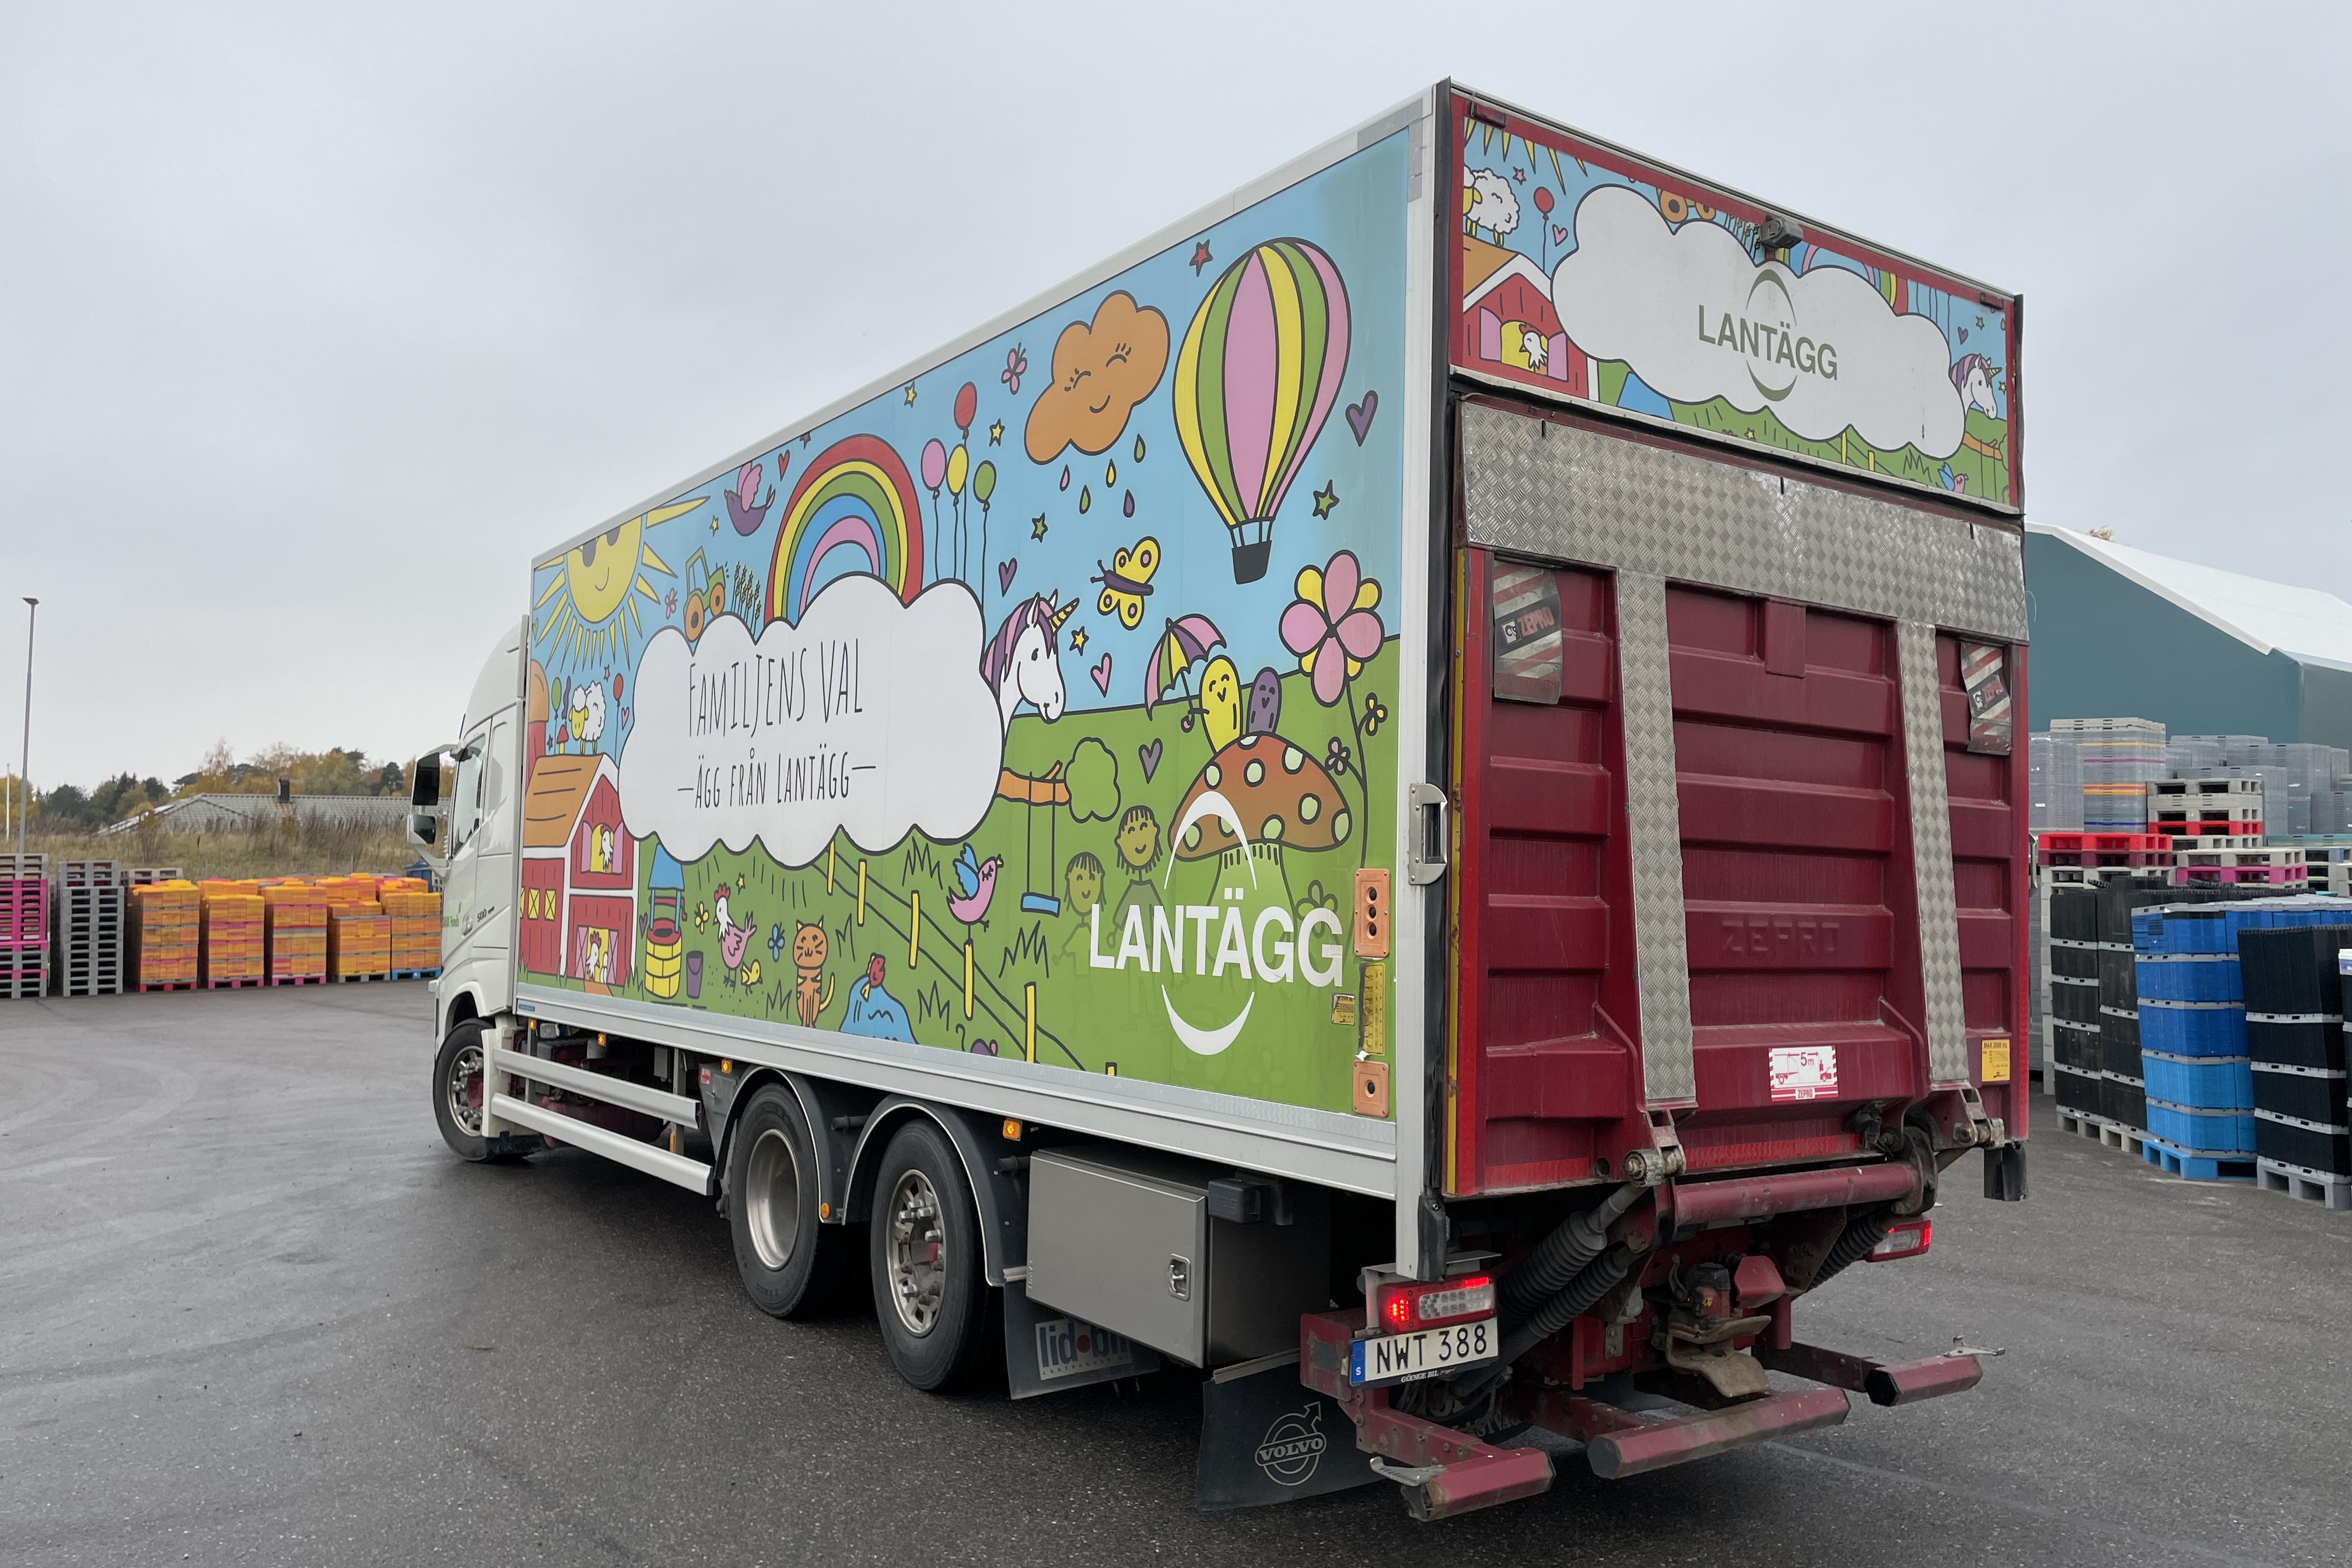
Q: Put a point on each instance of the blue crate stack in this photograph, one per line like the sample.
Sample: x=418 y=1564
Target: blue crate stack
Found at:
x=2192 y=1028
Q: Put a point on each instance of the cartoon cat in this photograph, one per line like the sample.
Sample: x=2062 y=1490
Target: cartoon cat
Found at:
x=808 y=967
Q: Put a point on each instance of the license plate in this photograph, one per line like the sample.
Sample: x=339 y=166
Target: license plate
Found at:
x=1430 y=1353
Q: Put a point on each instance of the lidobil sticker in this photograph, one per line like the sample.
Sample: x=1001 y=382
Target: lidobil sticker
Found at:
x=1802 y=1073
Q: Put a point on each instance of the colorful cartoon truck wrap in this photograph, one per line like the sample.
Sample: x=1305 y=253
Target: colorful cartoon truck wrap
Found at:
x=1243 y=738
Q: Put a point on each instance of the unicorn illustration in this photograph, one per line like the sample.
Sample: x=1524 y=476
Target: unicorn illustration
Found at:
x=1023 y=660
x=1974 y=378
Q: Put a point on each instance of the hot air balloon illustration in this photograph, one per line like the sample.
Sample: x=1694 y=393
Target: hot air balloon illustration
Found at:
x=1258 y=373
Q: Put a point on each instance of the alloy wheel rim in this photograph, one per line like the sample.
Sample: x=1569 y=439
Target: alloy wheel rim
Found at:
x=916 y=1252
x=771 y=1199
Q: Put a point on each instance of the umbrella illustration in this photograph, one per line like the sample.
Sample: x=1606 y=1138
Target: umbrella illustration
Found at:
x=1187 y=641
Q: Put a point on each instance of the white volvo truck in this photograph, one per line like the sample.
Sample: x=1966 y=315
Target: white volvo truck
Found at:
x=1406 y=795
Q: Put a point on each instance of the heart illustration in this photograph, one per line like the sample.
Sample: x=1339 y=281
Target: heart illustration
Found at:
x=1559 y=235
x=1101 y=673
x=1005 y=571
x=1964 y=334
x=1359 y=414
x=1151 y=758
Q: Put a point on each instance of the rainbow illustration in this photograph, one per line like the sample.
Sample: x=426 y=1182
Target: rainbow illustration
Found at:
x=855 y=495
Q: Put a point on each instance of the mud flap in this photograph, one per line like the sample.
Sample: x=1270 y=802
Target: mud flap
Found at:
x=1047 y=1352
x=1266 y=1438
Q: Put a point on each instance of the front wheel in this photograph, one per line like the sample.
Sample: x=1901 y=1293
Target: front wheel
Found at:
x=460 y=1090
x=930 y=1287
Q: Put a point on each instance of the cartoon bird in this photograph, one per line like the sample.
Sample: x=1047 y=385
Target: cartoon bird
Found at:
x=977 y=878
x=734 y=940
x=1221 y=703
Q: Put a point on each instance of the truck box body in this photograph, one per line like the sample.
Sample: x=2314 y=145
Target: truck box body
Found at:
x=1480 y=666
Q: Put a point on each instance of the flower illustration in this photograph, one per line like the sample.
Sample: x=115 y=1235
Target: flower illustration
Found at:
x=669 y=605
x=1336 y=758
x=1016 y=365
x=1376 y=712
x=1316 y=898
x=1331 y=627
x=702 y=917
x=776 y=942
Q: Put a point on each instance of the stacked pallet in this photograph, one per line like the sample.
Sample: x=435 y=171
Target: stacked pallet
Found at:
x=23 y=925
x=231 y=951
x=2119 y=758
x=165 y=924
x=358 y=940
x=2104 y=851
x=86 y=909
x=294 y=932
x=2271 y=867
x=415 y=918
x=2206 y=813
x=2193 y=1030
x=2294 y=1036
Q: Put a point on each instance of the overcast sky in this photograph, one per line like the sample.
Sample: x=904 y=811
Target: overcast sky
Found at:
x=316 y=324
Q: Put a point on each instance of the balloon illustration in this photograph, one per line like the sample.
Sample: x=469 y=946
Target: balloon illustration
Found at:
x=984 y=483
x=959 y=463
x=967 y=406
x=1258 y=373
x=935 y=464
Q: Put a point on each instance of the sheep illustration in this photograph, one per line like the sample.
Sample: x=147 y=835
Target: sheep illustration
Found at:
x=588 y=714
x=1488 y=203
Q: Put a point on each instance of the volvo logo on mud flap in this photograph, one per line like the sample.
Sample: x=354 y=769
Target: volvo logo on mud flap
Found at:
x=1293 y=1447
x=1067 y=1347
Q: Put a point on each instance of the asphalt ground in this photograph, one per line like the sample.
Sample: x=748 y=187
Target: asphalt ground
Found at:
x=252 y=1311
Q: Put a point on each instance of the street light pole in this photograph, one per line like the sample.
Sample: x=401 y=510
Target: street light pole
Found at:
x=25 y=766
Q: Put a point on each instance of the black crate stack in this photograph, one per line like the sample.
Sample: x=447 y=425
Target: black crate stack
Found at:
x=86 y=921
x=2294 y=1034
x=2122 y=1087
x=2076 y=1076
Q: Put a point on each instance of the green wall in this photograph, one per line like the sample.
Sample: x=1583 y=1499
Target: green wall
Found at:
x=2103 y=647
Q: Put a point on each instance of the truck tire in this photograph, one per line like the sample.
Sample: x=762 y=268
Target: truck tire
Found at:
x=931 y=1286
x=788 y=1259
x=458 y=1095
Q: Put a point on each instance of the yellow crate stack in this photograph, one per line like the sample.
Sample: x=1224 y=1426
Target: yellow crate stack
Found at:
x=165 y=931
x=416 y=917
x=359 y=940
x=294 y=932
x=230 y=951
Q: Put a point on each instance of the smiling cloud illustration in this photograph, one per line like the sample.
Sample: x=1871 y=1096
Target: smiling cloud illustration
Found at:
x=1101 y=370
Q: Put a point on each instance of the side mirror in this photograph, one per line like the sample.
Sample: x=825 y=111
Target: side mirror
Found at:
x=424 y=828
x=425 y=783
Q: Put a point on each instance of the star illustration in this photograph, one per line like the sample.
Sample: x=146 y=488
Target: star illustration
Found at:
x=714 y=525
x=1077 y=639
x=996 y=434
x=804 y=437
x=910 y=395
x=1200 y=257
x=1519 y=176
x=1325 y=499
x=1037 y=526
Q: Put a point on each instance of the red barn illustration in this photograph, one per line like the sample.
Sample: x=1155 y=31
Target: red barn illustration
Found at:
x=579 y=873
x=1508 y=320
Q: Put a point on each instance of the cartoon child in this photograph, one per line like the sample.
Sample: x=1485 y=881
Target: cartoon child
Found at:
x=1138 y=845
x=1083 y=879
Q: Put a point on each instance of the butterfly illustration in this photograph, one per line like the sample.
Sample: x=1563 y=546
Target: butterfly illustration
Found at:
x=1127 y=582
x=1016 y=365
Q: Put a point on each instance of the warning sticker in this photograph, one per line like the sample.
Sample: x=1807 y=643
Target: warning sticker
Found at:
x=1996 y=1061
x=1802 y=1073
x=1528 y=650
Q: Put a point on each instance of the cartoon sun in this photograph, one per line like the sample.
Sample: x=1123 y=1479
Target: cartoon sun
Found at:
x=588 y=605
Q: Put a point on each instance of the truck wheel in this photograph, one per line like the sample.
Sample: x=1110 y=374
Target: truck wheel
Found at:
x=458 y=1092
x=931 y=1289
x=785 y=1256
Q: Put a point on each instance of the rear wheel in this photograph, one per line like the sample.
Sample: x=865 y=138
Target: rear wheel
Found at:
x=460 y=1088
x=785 y=1256
x=930 y=1287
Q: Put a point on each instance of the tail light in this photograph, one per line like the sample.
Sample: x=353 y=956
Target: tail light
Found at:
x=1412 y=1305
x=1909 y=1239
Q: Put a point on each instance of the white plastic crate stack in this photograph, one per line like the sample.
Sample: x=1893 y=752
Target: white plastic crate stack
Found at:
x=2054 y=766
x=2120 y=758
x=2307 y=788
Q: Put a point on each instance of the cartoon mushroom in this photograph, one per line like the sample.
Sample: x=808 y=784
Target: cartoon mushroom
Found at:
x=1284 y=797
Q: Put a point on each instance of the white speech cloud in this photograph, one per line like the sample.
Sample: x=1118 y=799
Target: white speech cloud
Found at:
x=868 y=717
x=1697 y=319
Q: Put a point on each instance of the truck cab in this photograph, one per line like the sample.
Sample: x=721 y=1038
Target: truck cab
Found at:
x=462 y=798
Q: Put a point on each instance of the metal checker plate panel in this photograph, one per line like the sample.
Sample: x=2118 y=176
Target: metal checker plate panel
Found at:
x=1931 y=853
x=1565 y=493
x=1655 y=839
